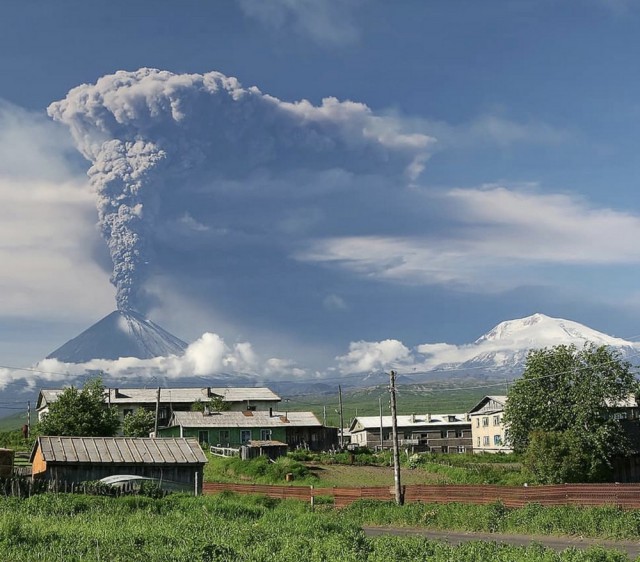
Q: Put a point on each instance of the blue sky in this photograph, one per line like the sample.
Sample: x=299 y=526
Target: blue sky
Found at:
x=489 y=171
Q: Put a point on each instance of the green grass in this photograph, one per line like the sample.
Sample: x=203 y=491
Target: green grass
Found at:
x=533 y=519
x=228 y=528
x=256 y=471
x=14 y=421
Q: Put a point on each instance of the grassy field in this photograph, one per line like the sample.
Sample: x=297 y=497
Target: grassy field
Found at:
x=436 y=398
x=325 y=471
x=231 y=528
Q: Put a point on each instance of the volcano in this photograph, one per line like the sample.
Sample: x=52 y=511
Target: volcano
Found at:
x=120 y=334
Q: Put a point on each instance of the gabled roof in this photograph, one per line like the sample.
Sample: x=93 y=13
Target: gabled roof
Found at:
x=188 y=395
x=46 y=396
x=500 y=402
x=119 y=450
x=413 y=421
x=242 y=419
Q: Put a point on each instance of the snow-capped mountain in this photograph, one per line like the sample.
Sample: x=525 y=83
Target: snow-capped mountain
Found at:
x=505 y=347
x=120 y=334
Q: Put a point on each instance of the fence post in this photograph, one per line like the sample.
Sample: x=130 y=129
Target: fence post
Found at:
x=312 y=498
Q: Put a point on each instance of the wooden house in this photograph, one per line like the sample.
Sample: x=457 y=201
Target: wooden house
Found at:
x=80 y=459
x=437 y=433
x=235 y=429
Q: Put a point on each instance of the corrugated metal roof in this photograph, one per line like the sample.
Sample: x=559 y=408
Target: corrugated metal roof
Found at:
x=120 y=450
x=412 y=421
x=238 y=419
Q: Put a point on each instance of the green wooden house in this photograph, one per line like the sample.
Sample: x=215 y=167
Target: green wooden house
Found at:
x=235 y=429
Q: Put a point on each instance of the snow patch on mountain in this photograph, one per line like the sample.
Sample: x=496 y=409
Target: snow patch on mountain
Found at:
x=120 y=334
x=506 y=346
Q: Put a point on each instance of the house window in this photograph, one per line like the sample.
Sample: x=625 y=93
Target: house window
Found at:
x=496 y=420
x=477 y=422
x=485 y=440
x=478 y=441
x=461 y=449
x=497 y=440
x=224 y=436
x=203 y=436
x=126 y=412
x=245 y=436
x=265 y=434
x=445 y=449
x=443 y=434
x=452 y=418
x=485 y=421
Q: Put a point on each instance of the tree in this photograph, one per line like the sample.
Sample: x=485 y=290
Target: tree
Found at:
x=80 y=413
x=557 y=413
x=138 y=424
x=215 y=404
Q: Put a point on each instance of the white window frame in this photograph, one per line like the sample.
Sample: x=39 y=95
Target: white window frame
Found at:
x=265 y=435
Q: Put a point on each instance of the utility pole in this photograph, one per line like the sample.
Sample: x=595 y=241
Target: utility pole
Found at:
x=28 y=418
x=396 y=450
x=381 y=426
x=341 y=418
x=155 y=428
x=324 y=415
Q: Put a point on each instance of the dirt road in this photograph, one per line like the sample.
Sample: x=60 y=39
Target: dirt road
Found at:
x=631 y=548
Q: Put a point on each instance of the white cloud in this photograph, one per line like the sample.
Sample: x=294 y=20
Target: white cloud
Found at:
x=364 y=356
x=208 y=356
x=498 y=236
x=46 y=225
x=488 y=130
x=327 y=22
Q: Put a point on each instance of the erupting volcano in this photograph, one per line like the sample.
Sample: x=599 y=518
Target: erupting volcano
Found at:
x=120 y=334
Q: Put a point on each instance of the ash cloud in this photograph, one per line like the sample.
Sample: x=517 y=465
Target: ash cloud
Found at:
x=153 y=136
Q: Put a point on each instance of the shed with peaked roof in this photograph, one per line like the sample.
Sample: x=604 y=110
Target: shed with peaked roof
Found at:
x=80 y=459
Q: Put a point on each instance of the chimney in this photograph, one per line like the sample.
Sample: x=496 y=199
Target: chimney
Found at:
x=270 y=412
x=428 y=417
x=413 y=418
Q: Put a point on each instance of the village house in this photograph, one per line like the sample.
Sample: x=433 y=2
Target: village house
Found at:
x=234 y=429
x=81 y=459
x=128 y=400
x=436 y=433
x=487 y=426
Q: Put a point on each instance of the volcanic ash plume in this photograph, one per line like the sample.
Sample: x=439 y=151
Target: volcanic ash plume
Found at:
x=150 y=133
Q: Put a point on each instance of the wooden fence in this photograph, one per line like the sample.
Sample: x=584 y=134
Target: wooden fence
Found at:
x=626 y=496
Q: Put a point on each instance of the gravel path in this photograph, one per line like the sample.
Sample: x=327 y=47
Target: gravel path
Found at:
x=631 y=548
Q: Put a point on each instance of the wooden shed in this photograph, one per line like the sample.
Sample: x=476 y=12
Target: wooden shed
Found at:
x=80 y=459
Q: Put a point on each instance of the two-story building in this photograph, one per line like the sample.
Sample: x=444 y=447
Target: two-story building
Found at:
x=128 y=400
x=436 y=433
x=487 y=425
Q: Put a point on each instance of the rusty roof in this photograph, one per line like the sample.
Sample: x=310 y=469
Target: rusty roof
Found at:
x=119 y=450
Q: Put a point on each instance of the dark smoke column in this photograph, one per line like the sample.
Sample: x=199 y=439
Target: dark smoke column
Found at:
x=121 y=174
x=151 y=132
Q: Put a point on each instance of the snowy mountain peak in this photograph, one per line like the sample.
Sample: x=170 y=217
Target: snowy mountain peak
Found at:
x=539 y=330
x=120 y=334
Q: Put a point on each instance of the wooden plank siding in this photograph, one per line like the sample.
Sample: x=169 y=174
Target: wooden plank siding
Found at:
x=626 y=496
